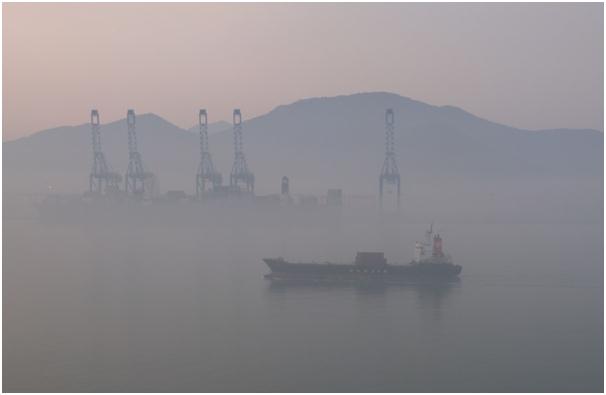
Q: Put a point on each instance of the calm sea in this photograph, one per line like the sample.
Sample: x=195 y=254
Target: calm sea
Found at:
x=186 y=308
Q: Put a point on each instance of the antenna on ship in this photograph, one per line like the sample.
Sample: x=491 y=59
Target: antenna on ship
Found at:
x=390 y=174
x=428 y=234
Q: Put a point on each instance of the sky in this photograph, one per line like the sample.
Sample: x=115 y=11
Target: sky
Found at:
x=532 y=66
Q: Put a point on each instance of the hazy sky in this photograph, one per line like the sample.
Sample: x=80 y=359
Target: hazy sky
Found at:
x=530 y=66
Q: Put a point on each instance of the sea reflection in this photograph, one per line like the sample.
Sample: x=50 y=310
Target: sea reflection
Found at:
x=431 y=296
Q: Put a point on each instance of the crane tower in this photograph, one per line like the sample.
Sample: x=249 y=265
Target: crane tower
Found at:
x=390 y=174
x=207 y=177
x=102 y=180
x=239 y=172
x=138 y=183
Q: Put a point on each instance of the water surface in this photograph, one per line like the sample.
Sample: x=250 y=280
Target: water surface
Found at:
x=186 y=308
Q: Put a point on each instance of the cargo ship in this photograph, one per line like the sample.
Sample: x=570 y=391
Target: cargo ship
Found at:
x=373 y=266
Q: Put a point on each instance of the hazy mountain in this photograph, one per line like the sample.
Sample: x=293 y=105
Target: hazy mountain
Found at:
x=443 y=153
x=213 y=127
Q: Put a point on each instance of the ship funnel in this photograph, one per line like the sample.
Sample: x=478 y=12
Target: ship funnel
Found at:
x=437 y=246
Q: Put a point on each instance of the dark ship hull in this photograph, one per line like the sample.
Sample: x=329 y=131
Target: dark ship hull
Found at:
x=283 y=270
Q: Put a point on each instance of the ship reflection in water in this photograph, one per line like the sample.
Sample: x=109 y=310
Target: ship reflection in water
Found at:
x=431 y=295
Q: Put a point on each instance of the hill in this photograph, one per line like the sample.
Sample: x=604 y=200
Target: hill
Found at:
x=213 y=127
x=446 y=156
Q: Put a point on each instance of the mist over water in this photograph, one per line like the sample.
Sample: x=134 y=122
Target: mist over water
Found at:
x=142 y=303
x=169 y=294
x=133 y=246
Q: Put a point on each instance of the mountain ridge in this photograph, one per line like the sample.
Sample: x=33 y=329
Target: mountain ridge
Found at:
x=444 y=154
x=224 y=125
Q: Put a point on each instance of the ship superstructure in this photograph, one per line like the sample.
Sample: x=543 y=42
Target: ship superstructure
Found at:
x=434 y=243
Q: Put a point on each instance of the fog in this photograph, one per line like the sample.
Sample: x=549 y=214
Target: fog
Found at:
x=173 y=298
x=454 y=166
x=166 y=292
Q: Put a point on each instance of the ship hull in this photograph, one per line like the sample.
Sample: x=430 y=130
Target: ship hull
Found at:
x=283 y=270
